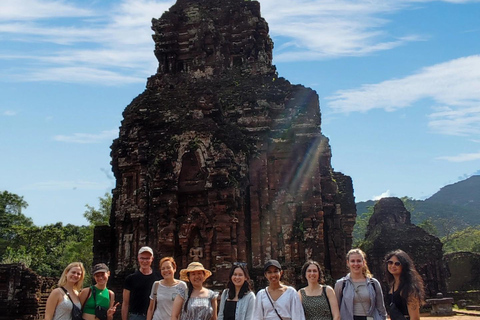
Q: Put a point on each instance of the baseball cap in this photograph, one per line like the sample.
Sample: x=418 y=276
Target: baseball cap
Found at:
x=99 y=267
x=145 y=249
x=270 y=263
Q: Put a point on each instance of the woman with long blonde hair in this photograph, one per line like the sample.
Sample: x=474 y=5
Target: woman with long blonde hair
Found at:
x=61 y=300
x=359 y=294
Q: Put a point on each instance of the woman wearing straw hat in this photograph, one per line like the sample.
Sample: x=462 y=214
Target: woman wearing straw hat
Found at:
x=197 y=302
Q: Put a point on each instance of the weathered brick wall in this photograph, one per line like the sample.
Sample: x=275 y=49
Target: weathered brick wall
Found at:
x=389 y=229
x=23 y=294
x=464 y=271
x=222 y=160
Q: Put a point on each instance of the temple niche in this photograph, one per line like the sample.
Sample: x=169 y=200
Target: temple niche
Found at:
x=220 y=159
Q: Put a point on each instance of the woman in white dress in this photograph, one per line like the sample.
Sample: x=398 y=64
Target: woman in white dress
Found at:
x=61 y=300
x=277 y=301
x=164 y=291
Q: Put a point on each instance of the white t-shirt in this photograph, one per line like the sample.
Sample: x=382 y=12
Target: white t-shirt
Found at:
x=165 y=297
x=288 y=305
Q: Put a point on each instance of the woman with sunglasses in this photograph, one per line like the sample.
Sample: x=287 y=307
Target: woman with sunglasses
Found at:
x=277 y=301
x=318 y=300
x=237 y=300
x=359 y=295
x=406 y=290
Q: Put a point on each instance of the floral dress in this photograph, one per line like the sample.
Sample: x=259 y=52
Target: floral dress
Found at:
x=197 y=308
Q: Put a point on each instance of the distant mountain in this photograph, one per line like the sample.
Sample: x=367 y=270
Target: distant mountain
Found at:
x=464 y=193
x=455 y=206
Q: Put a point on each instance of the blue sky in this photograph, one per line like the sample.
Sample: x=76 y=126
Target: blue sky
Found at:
x=399 y=87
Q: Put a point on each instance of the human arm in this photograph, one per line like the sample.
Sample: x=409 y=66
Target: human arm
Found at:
x=214 y=307
x=153 y=298
x=250 y=305
x=177 y=307
x=258 y=308
x=300 y=295
x=151 y=309
x=413 y=306
x=296 y=311
x=379 y=302
x=223 y=297
x=332 y=299
x=83 y=296
x=52 y=302
x=338 y=291
x=113 y=306
x=125 y=304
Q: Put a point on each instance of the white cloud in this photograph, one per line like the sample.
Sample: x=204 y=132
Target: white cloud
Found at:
x=39 y=9
x=463 y=157
x=453 y=85
x=9 y=113
x=118 y=34
x=87 y=137
x=319 y=29
x=111 y=46
x=67 y=185
x=386 y=194
x=81 y=75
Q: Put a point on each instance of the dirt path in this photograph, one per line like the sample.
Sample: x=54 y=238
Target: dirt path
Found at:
x=458 y=316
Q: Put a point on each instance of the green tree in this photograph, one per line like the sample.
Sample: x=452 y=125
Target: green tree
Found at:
x=429 y=226
x=464 y=240
x=47 y=249
x=11 y=206
x=100 y=216
x=360 y=228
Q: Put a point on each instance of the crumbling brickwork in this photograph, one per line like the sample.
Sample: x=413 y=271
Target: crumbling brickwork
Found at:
x=23 y=293
x=220 y=159
x=390 y=228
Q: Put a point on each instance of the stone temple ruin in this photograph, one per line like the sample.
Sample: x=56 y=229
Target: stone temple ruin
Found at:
x=220 y=159
x=390 y=228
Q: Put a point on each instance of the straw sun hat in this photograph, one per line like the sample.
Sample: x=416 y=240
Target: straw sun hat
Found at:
x=194 y=266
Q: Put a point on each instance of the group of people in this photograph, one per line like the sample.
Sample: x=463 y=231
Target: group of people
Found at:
x=147 y=296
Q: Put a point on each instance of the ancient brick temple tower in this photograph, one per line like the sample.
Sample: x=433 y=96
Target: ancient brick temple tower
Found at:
x=220 y=160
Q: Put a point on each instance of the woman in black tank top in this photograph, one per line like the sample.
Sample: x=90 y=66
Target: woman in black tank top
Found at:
x=406 y=291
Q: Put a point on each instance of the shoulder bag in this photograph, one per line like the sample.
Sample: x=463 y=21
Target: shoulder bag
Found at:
x=271 y=301
x=76 y=311
x=100 y=312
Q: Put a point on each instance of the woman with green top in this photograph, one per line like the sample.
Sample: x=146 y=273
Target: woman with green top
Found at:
x=98 y=302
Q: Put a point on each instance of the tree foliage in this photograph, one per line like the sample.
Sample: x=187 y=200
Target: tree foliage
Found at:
x=360 y=228
x=464 y=240
x=47 y=249
x=100 y=216
x=11 y=206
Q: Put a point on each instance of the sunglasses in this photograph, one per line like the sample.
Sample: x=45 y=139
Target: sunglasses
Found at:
x=240 y=264
x=396 y=263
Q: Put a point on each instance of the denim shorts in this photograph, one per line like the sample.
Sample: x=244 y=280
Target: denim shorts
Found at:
x=134 y=316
